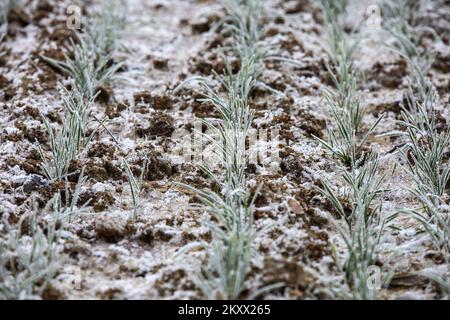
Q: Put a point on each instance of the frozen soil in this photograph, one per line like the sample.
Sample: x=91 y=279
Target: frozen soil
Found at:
x=166 y=42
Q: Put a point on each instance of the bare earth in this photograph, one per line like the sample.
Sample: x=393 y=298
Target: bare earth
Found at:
x=166 y=42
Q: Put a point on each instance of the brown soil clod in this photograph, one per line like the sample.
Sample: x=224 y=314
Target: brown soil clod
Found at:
x=161 y=125
x=101 y=150
x=33 y=183
x=115 y=110
x=292 y=272
x=156 y=101
x=105 y=94
x=311 y=124
x=161 y=64
x=43 y=9
x=389 y=74
x=111 y=227
x=203 y=24
x=96 y=172
x=20 y=16
x=292 y=165
x=7 y=90
x=32 y=134
x=99 y=200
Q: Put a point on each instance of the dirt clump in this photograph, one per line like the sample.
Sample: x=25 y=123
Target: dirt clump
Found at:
x=311 y=124
x=32 y=162
x=19 y=16
x=114 y=110
x=161 y=125
x=292 y=272
x=389 y=74
x=7 y=89
x=155 y=101
x=105 y=94
x=99 y=200
x=111 y=226
x=43 y=9
x=32 y=133
x=203 y=23
x=101 y=150
x=96 y=172
x=160 y=63
x=33 y=183
x=173 y=280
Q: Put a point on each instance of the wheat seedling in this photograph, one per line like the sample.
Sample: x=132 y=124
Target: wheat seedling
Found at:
x=362 y=244
x=426 y=145
x=364 y=186
x=71 y=138
x=28 y=259
x=434 y=216
x=344 y=142
x=231 y=209
x=231 y=248
x=363 y=225
x=401 y=22
x=90 y=64
x=67 y=208
x=105 y=28
x=136 y=185
x=87 y=70
x=424 y=155
x=243 y=21
x=343 y=102
x=236 y=119
x=334 y=8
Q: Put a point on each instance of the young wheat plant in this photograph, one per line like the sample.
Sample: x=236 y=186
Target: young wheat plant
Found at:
x=243 y=21
x=344 y=142
x=434 y=216
x=363 y=226
x=401 y=24
x=231 y=209
x=231 y=249
x=424 y=155
x=71 y=138
x=361 y=232
x=86 y=69
x=136 y=185
x=426 y=144
x=334 y=8
x=104 y=30
x=233 y=233
x=90 y=64
x=27 y=259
